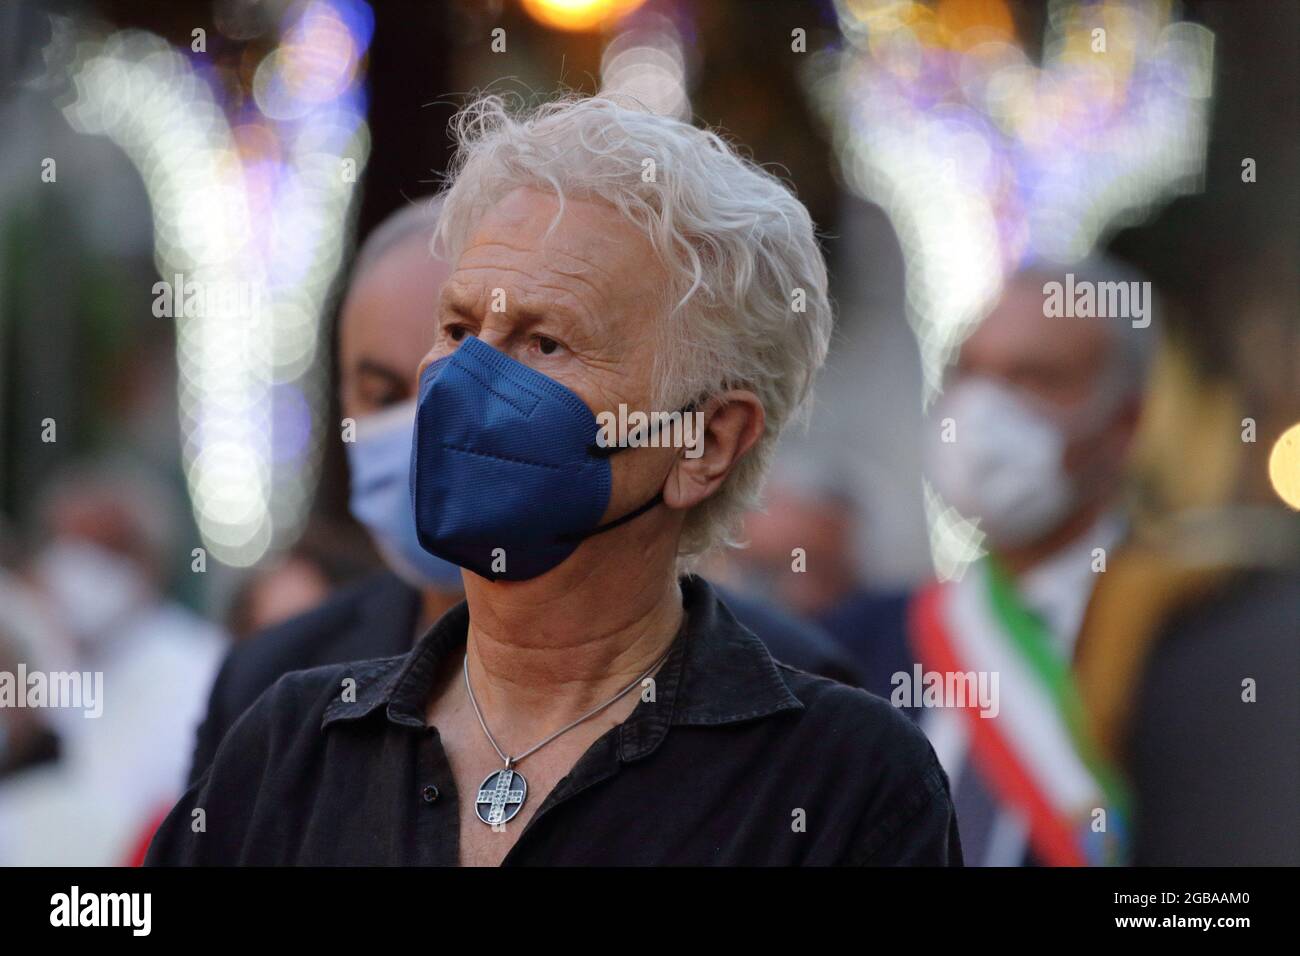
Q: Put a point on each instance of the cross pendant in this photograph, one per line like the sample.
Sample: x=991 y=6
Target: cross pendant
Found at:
x=501 y=796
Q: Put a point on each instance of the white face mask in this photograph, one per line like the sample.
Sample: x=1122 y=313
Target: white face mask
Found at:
x=93 y=590
x=1005 y=464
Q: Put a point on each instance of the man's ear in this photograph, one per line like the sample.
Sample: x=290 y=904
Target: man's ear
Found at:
x=733 y=423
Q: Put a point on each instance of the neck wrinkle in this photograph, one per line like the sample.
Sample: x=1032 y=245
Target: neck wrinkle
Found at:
x=542 y=653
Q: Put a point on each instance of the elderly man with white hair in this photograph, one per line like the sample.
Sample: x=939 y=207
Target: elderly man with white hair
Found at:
x=591 y=701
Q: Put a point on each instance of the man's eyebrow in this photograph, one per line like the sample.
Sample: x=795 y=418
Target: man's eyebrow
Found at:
x=535 y=309
x=457 y=296
x=537 y=314
x=458 y=307
x=530 y=310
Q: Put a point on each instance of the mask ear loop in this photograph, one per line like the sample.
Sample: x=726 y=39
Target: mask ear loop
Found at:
x=634 y=513
x=598 y=451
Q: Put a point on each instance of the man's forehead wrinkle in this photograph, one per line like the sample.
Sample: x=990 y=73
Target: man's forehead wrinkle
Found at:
x=466 y=295
x=476 y=279
x=557 y=283
x=568 y=304
x=586 y=260
x=620 y=282
x=467 y=270
x=481 y=243
x=461 y=295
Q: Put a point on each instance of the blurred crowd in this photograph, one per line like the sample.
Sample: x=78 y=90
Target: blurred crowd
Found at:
x=1113 y=543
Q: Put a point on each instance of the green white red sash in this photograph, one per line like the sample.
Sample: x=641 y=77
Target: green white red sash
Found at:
x=1036 y=753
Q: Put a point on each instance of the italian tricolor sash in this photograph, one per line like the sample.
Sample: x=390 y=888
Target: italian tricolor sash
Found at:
x=1036 y=753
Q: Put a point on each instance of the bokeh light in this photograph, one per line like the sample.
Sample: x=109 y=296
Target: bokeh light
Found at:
x=646 y=63
x=1284 y=466
x=579 y=14
x=251 y=212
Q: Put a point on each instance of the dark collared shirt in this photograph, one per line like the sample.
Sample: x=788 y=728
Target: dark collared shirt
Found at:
x=376 y=618
x=737 y=760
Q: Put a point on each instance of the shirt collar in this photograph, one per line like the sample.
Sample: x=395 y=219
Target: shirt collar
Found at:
x=716 y=673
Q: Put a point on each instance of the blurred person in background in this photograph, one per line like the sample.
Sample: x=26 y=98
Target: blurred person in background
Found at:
x=99 y=576
x=384 y=329
x=1208 y=600
x=281 y=589
x=800 y=552
x=1030 y=439
x=27 y=734
x=329 y=555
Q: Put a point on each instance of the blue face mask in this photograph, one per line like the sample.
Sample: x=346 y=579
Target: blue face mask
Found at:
x=379 y=461
x=506 y=475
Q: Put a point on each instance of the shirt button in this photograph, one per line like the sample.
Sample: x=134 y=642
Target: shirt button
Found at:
x=429 y=793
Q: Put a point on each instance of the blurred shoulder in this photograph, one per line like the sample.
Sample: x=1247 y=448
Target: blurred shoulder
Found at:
x=328 y=633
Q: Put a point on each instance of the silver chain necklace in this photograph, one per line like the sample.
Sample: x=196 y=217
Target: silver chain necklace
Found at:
x=502 y=793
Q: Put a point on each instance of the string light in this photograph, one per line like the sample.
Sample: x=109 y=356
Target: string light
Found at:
x=983 y=160
x=259 y=205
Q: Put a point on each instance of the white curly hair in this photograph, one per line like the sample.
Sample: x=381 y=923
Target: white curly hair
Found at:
x=747 y=304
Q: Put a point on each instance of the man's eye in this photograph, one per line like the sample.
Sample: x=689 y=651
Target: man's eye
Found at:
x=547 y=346
x=455 y=332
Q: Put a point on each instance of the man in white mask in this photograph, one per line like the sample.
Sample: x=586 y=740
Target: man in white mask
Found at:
x=1029 y=440
x=141 y=664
